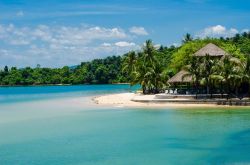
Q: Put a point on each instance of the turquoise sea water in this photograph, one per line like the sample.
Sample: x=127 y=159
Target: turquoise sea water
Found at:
x=50 y=126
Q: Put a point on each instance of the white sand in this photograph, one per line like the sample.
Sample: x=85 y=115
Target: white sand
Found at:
x=125 y=100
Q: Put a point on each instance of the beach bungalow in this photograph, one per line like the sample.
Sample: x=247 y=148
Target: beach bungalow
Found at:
x=181 y=82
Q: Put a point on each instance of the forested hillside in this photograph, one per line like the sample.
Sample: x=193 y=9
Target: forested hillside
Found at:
x=98 y=71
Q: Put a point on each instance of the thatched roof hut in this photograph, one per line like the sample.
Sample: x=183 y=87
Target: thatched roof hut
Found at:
x=181 y=77
x=212 y=50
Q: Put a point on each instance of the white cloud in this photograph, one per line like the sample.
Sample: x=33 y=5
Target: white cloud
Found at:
x=217 y=31
x=59 y=35
x=138 y=30
x=3 y=53
x=19 y=42
x=20 y=14
x=60 y=45
x=106 y=44
x=175 y=44
x=157 y=46
x=124 y=44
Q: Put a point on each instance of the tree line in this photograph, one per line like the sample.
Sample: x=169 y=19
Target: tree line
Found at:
x=98 y=71
x=150 y=67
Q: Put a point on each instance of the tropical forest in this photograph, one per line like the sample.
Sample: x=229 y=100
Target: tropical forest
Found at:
x=152 y=67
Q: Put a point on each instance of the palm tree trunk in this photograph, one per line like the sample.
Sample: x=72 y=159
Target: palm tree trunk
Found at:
x=144 y=89
x=208 y=89
x=207 y=86
x=228 y=90
x=211 y=90
x=196 y=90
x=237 y=91
x=221 y=89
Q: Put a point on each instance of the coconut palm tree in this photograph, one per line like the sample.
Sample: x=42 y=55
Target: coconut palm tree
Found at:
x=217 y=77
x=229 y=72
x=141 y=76
x=149 y=52
x=239 y=74
x=158 y=77
x=246 y=69
x=129 y=64
x=236 y=76
x=194 y=70
x=246 y=72
x=144 y=65
x=149 y=72
x=207 y=70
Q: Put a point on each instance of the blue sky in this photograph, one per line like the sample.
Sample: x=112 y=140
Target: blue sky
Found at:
x=55 y=33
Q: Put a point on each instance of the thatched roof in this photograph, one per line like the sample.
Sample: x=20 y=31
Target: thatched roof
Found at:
x=211 y=50
x=180 y=77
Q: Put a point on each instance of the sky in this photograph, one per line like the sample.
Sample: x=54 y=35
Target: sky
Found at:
x=56 y=33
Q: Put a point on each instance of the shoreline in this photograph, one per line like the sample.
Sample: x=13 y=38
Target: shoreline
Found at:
x=126 y=100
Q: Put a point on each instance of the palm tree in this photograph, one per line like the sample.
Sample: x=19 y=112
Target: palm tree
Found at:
x=158 y=77
x=194 y=70
x=226 y=71
x=246 y=69
x=145 y=67
x=239 y=73
x=207 y=71
x=141 y=76
x=229 y=72
x=217 y=77
x=129 y=64
x=149 y=71
x=187 y=38
x=236 y=76
x=149 y=52
x=246 y=72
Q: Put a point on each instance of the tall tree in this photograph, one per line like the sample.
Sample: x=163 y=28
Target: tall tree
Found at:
x=229 y=72
x=149 y=70
x=207 y=70
x=194 y=70
x=129 y=63
x=6 y=69
x=187 y=38
x=149 y=53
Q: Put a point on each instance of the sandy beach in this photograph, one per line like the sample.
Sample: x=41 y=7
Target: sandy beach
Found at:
x=125 y=100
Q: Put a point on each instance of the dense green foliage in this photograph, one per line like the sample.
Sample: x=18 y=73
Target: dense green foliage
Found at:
x=151 y=67
x=226 y=75
x=148 y=67
x=98 y=71
x=183 y=56
x=229 y=74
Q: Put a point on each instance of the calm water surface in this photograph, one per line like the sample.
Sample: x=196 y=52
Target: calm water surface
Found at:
x=48 y=125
